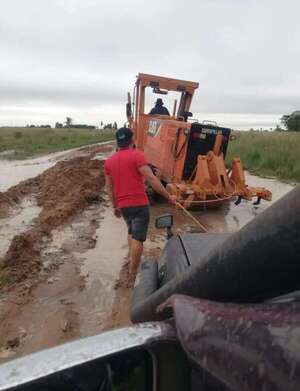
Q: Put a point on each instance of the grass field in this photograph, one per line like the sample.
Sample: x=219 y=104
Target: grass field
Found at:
x=27 y=142
x=274 y=154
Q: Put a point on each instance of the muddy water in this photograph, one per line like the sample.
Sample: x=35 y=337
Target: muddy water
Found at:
x=14 y=171
x=19 y=220
x=111 y=248
x=75 y=292
x=97 y=241
x=100 y=269
x=231 y=217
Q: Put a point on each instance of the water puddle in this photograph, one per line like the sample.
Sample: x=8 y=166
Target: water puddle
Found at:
x=13 y=172
x=100 y=156
x=96 y=244
x=230 y=217
x=104 y=261
x=101 y=268
x=19 y=221
x=226 y=218
x=278 y=189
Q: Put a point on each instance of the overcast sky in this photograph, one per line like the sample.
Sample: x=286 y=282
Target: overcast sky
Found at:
x=80 y=57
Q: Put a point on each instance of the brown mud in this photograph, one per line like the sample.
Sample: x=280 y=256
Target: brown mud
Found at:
x=61 y=192
x=63 y=254
x=44 y=222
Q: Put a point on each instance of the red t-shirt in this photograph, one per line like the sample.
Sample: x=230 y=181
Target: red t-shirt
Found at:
x=128 y=183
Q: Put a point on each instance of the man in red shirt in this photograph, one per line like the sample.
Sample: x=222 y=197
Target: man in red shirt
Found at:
x=125 y=172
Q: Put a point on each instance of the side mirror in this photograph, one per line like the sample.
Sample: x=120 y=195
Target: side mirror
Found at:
x=165 y=221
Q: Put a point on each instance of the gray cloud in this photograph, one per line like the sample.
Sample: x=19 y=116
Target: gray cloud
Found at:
x=82 y=56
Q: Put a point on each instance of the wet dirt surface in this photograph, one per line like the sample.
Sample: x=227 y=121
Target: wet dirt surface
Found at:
x=42 y=240
x=61 y=191
x=15 y=171
x=17 y=221
x=77 y=282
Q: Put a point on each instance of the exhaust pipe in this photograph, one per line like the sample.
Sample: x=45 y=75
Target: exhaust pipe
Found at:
x=259 y=262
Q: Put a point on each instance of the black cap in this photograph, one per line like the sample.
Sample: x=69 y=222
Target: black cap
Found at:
x=124 y=137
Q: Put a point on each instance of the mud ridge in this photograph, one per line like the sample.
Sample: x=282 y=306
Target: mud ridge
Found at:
x=62 y=191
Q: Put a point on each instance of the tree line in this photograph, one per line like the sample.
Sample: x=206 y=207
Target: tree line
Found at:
x=291 y=121
x=69 y=123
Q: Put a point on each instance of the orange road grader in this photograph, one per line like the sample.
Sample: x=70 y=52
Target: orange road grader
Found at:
x=187 y=156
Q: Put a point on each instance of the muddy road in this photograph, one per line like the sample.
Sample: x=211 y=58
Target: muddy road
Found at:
x=63 y=255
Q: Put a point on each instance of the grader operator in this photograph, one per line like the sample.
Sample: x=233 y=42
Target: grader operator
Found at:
x=187 y=156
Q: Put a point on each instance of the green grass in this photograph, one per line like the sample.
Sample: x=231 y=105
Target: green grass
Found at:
x=275 y=154
x=28 y=142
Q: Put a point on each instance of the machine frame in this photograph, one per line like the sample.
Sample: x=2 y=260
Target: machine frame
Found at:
x=166 y=141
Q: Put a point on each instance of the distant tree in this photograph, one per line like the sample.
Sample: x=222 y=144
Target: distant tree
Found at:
x=115 y=126
x=69 y=122
x=101 y=124
x=284 y=120
x=108 y=126
x=58 y=125
x=291 y=121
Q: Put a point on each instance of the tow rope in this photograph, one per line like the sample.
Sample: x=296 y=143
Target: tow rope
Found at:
x=191 y=217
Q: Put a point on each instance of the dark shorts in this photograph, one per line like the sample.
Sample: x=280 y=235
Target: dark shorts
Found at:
x=137 y=220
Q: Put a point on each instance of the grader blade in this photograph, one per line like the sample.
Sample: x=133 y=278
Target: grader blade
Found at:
x=213 y=185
